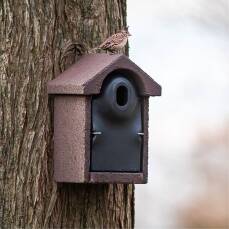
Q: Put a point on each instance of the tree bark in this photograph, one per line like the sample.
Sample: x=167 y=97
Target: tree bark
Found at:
x=32 y=34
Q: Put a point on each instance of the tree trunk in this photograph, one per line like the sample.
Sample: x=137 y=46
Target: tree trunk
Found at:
x=32 y=34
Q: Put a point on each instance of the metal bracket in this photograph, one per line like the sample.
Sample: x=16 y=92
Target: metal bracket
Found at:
x=141 y=133
x=96 y=132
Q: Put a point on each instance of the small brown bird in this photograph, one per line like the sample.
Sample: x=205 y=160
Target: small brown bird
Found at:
x=115 y=42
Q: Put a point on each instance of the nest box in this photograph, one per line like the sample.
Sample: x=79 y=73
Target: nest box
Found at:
x=101 y=120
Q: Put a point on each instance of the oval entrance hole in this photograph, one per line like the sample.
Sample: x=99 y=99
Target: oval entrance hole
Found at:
x=122 y=95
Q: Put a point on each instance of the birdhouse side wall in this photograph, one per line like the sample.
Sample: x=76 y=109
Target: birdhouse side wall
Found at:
x=146 y=138
x=71 y=138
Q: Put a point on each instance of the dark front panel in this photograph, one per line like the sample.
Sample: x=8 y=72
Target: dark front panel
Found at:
x=117 y=127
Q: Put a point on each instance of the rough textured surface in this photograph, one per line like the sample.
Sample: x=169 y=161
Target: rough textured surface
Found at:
x=109 y=177
x=70 y=117
x=32 y=35
x=86 y=76
x=146 y=138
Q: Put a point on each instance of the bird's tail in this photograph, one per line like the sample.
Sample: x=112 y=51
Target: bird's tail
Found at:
x=93 y=50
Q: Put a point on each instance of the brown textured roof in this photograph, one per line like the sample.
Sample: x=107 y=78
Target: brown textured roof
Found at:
x=86 y=76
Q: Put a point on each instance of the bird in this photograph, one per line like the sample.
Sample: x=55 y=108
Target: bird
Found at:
x=115 y=42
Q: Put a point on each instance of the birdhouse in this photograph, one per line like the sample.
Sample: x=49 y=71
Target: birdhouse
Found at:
x=101 y=120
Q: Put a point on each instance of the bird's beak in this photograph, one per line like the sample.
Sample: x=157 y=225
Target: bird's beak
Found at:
x=129 y=34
